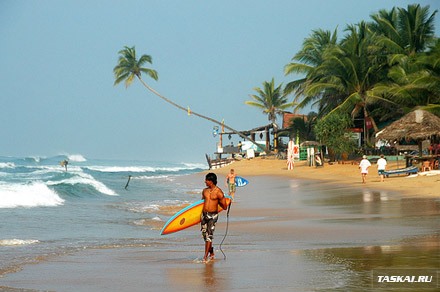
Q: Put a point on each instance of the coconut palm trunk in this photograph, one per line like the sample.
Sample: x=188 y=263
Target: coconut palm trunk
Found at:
x=129 y=67
x=190 y=112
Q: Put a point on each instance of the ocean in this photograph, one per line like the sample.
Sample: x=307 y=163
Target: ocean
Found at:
x=46 y=210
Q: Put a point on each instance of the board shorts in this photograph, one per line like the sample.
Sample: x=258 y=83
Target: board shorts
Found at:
x=208 y=221
x=231 y=187
x=381 y=171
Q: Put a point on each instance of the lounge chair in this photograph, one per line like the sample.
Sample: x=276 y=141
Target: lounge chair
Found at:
x=407 y=171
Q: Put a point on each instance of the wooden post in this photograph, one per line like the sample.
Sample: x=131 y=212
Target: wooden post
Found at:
x=267 y=140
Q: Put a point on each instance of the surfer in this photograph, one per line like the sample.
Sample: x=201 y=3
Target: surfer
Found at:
x=230 y=182
x=213 y=197
x=64 y=163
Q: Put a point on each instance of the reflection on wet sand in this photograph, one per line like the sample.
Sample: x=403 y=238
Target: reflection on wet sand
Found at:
x=377 y=202
x=202 y=277
x=414 y=255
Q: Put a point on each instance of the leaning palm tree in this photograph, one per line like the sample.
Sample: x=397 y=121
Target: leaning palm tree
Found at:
x=129 y=67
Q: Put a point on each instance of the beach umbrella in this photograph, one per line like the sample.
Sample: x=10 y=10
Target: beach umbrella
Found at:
x=290 y=163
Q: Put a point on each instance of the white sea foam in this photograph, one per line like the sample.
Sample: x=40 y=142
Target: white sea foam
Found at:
x=36 y=159
x=53 y=168
x=144 y=168
x=87 y=179
x=76 y=158
x=141 y=208
x=12 y=242
x=28 y=195
x=122 y=168
x=195 y=165
x=7 y=165
x=154 y=177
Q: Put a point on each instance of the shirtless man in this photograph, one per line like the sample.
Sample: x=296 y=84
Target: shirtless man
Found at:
x=230 y=182
x=213 y=197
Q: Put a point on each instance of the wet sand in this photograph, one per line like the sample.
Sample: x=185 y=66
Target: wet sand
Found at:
x=285 y=233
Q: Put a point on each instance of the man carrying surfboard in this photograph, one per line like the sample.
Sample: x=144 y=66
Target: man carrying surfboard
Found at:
x=213 y=197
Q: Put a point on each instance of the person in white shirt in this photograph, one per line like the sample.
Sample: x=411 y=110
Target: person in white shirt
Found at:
x=364 y=165
x=381 y=165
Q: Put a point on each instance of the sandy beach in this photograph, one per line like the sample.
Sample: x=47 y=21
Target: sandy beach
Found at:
x=309 y=229
x=421 y=185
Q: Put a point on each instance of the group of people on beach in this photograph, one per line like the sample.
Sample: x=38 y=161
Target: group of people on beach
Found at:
x=365 y=164
x=214 y=197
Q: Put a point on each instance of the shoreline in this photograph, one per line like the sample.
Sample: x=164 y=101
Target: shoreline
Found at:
x=421 y=185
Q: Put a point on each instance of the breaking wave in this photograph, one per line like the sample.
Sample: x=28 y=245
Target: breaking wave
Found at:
x=36 y=194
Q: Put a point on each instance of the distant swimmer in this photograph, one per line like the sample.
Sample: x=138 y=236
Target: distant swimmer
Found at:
x=64 y=163
x=128 y=181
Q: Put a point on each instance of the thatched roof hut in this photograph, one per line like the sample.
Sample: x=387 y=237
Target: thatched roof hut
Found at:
x=417 y=125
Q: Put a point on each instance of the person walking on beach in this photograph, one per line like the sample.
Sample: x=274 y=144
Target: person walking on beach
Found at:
x=213 y=197
x=364 y=165
x=230 y=182
x=381 y=165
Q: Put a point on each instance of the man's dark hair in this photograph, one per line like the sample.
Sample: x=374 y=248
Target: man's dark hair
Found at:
x=212 y=177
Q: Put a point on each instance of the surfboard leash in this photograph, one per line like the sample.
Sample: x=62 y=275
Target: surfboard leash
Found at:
x=226 y=232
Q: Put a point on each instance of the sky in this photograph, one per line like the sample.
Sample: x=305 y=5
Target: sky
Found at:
x=57 y=58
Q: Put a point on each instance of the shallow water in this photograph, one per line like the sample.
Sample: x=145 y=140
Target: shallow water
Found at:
x=347 y=234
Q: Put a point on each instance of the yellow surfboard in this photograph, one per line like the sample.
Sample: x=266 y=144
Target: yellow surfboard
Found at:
x=187 y=217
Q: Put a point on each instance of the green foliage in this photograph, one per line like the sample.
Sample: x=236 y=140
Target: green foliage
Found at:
x=303 y=127
x=270 y=99
x=380 y=69
x=129 y=66
x=332 y=131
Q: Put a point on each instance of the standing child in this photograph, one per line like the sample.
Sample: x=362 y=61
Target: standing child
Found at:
x=364 y=165
x=230 y=182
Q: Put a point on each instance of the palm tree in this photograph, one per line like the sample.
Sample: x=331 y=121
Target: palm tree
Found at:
x=404 y=32
x=353 y=72
x=129 y=67
x=343 y=79
x=271 y=100
x=344 y=76
x=416 y=83
x=428 y=79
x=303 y=127
x=413 y=79
x=305 y=63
